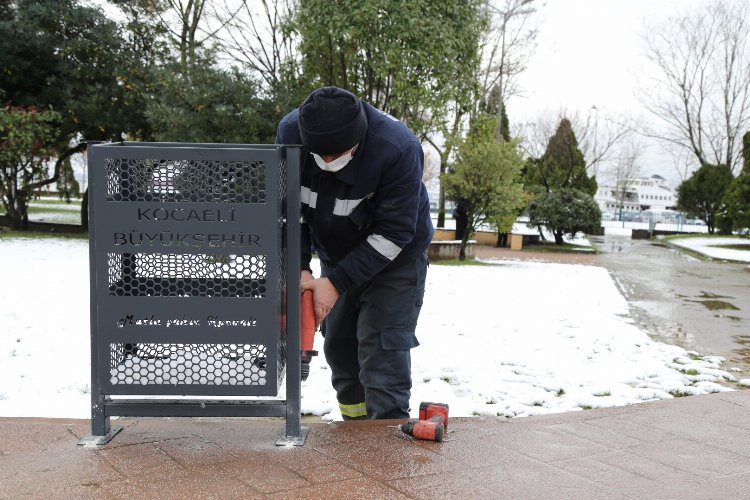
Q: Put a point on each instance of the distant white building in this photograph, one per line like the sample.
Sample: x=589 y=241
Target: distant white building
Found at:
x=636 y=195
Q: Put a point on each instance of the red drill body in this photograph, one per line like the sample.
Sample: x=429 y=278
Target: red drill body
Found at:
x=307 y=331
x=427 y=430
x=429 y=410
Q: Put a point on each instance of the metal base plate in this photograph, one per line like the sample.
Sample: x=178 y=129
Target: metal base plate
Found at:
x=285 y=440
x=92 y=441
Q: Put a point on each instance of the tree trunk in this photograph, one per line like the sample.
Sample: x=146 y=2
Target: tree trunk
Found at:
x=464 y=242
x=441 y=200
x=85 y=210
x=18 y=213
x=558 y=237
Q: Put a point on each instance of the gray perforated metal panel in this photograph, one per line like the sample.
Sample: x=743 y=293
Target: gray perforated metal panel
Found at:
x=190 y=290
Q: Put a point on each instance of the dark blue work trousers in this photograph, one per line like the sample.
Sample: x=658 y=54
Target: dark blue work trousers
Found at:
x=368 y=337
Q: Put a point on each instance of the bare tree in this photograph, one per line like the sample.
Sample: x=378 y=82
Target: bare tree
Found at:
x=445 y=148
x=259 y=38
x=506 y=47
x=598 y=134
x=683 y=161
x=193 y=24
x=702 y=93
x=626 y=167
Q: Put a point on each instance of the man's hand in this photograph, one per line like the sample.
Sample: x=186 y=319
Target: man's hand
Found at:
x=305 y=276
x=324 y=295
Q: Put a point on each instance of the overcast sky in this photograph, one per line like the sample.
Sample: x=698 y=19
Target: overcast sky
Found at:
x=590 y=53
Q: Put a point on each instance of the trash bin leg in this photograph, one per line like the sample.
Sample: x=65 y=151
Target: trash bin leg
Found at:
x=101 y=431
x=294 y=434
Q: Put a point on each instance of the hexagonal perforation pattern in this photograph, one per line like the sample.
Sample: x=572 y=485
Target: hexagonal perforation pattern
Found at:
x=185 y=180
x=187 y=364
x=186 y=275
x=282 y=276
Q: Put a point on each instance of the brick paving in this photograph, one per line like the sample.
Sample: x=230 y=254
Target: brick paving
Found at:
x=490 y=252
x=694 y=447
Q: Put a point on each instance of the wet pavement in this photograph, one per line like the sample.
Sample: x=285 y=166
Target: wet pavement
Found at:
x=692 y=447
x=699 y=305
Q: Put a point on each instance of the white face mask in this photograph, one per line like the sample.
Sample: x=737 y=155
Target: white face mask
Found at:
x=335 y=165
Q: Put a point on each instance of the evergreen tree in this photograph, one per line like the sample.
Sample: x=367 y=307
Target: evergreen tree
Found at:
x=495 y=106
x=737 y=199
x=26 y=144
x=211 y=105
x=562 y=165
x=66 y=56
x=565 y=212
x=702 y=193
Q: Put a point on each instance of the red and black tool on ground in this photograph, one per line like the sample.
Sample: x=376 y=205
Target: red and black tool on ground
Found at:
x=433 y=420
x=307 y=331
x=429 y=410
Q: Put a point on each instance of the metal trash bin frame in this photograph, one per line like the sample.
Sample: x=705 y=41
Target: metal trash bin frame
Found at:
x=138 y=189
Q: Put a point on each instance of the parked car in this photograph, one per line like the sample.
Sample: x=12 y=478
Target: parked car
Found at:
x=631 y=217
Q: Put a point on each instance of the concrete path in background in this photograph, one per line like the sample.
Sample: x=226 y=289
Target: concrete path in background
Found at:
x=693 y=447
x=699 y=305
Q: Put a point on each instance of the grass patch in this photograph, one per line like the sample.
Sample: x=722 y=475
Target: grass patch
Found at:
x=586 y=407
x=53 y=206
x=40 y=209
x=551 y=247
x=679 y=394
x=9 y=233
x=55 y=200
x=745 y=247
x=692 y=371
x=696 y=235
x=449 y=380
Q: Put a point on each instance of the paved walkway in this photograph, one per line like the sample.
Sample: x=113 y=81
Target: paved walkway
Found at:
x=490 y=252
x=695 y=447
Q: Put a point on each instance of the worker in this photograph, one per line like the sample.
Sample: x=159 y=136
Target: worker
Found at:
x=365 y=213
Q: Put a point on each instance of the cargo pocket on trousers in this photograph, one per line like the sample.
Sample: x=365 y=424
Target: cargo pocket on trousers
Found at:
x=398 y=339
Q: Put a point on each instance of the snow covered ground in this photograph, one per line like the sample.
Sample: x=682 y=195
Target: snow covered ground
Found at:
x=506 y=339
x=711 y=247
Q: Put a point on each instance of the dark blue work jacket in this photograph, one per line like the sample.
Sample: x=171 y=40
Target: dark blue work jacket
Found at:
x=373 y=213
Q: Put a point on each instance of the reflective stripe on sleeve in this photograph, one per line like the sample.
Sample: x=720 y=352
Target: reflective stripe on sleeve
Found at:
x=353 y=411
x=384 y=246
x=345 y=207
x=308 y=197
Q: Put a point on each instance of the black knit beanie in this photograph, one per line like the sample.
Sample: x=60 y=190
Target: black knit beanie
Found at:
x=331 y=121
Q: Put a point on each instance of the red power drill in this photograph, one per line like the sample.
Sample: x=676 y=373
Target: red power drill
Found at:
x=428 y=430
x=307 y=332
x=432 y=423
